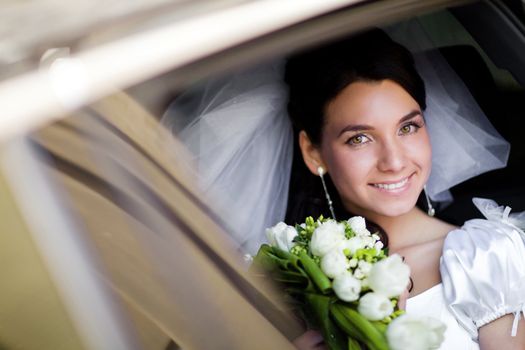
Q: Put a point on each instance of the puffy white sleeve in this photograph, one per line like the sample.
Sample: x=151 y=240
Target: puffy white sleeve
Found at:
x=483 y=268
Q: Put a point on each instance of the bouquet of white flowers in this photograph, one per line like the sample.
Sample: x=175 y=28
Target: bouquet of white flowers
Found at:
x=346 y=284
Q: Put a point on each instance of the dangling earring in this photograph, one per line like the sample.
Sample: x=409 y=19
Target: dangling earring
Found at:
x=321 y=172
x=430 y=211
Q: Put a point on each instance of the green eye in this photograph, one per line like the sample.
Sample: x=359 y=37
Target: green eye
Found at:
x=357 y=140
x=406 y=129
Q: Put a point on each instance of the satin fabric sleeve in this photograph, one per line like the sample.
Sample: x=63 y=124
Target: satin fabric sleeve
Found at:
x=483 y=273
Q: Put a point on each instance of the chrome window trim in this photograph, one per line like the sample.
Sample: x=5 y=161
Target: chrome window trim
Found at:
x=100 y=71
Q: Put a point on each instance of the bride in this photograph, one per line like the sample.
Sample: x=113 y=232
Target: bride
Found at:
x=360 y=111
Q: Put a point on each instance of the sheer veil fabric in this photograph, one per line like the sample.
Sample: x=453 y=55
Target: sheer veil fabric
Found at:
x=241 y=138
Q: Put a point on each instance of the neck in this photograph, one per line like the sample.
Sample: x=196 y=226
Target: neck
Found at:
x=403 y=230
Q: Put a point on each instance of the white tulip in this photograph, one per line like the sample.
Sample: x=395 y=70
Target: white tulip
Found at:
x=346 y=287
x=281 y=236
x=354 y=243
x=408 y=332
x=359 y=274
x=358 y=225
x=366 y=267
x=368 y=241
x=375 y=306
x=326 y=237
x=334 y=263
x=436 y=330
x=389 y=276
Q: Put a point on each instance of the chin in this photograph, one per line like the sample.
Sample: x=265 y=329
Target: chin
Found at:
x=397 y=211
x=393 y=203
x=373 y=208
x=393 y=208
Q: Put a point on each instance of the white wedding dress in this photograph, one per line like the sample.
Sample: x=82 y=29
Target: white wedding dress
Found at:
x=483 y=276
x=432 y=303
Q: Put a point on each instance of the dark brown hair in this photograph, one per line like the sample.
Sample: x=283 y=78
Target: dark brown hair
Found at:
x=315 y=77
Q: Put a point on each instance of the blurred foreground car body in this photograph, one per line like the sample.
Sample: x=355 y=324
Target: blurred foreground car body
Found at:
x=105 y=240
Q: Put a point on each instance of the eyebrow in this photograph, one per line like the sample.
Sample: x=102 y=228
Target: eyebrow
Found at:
x=361 y=127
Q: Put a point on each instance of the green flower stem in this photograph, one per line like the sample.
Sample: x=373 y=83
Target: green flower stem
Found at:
x=314 y=272
x=320 y=308
x=353 y=344
x=371 y=336
x=346 y=325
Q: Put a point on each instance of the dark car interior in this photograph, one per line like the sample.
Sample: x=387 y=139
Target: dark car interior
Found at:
x=500 y=32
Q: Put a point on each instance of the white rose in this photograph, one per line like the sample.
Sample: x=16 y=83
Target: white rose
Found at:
x=281 y=236
x=326 y=237
x=408 y=332
x=389 y=276
x=375 y=306
x=346 y=287
x=358 y=225
x=334 y=263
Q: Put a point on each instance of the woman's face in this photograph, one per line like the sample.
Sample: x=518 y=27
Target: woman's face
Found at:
x=376 y=148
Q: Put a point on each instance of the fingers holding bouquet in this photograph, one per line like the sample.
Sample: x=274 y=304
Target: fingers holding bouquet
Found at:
x=310 y=340
x=346 y=285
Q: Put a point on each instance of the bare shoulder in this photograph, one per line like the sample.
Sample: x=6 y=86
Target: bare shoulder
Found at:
x=439 y=229
x=431 y=235
x=423 y=256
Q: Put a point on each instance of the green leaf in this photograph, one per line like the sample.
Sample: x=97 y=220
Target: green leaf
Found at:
x=283 y=267
x=296 y=278
x=264 y=260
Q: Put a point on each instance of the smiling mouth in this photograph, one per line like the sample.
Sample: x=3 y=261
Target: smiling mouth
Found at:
x=391 y=186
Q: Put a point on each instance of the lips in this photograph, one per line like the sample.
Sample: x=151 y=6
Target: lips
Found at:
x=393 y=186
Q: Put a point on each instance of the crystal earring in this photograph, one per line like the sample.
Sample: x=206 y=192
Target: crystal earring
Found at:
x=430 y=210
x=321 y=172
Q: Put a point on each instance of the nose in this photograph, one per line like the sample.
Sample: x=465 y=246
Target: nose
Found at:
x=392 y=157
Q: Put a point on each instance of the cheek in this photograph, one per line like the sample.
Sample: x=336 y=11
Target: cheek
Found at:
x=349 y=167
x=418 y=156
x=421 y=152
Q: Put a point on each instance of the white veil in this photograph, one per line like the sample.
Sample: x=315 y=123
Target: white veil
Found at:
x=464 y=142
x=239 y=132
x=241 y=138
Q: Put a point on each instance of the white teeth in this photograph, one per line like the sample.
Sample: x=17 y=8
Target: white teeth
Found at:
x=392 y=186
